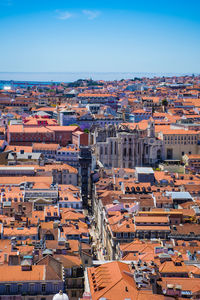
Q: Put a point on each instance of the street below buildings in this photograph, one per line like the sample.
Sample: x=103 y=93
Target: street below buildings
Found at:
x=96 y=243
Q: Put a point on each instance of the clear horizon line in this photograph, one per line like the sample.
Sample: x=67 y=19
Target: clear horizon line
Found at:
x=103 y=72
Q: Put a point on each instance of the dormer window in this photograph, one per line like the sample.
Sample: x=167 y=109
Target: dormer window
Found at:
x=178 y=264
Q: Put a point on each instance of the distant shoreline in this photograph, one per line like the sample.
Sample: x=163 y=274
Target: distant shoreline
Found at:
x=57 y=77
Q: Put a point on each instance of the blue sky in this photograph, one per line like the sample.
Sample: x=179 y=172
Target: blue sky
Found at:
x=100 y=36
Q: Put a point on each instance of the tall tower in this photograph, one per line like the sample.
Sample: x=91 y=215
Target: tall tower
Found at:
x=85 y=162
x=151 y=128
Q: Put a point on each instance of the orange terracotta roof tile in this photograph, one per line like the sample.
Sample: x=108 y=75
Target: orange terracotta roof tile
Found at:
x=15 y=273
x=187 y=284
x=7 y=231
x=19 y=148
x=152 y=228
x=151 y=219
x=170 y=267
x=104 y=284
x=45 y=146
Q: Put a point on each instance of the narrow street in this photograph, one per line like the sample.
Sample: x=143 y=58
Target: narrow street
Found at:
x=97 y=243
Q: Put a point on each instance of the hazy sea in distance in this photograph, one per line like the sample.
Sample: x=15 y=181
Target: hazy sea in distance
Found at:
x=72 y=76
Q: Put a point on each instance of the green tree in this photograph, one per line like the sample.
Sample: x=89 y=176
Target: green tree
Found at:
x=74 y=124
x=165 y=102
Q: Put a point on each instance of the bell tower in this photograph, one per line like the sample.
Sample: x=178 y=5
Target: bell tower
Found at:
x=151 y=128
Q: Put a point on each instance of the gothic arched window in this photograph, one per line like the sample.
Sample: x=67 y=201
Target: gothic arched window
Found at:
x=115 y=147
